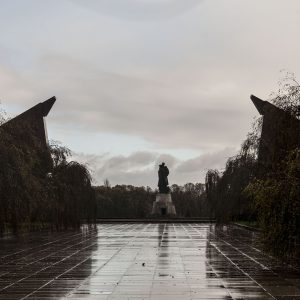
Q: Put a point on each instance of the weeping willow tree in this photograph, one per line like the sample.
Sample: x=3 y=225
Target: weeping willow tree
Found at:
x=277 y=201
x=70 y=191
x=272 y=197
x=123 y=201
x=212 y=179
x=288 y=95
x=189 y=200
x=276 y=193
x=225 y=190
x=38 y=185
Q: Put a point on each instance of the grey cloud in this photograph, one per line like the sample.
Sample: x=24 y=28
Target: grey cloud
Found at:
x=139 y=9
x=164 y=114
x=214 y=160
x=133 y=161
x=140 y=168
x=166 y=158
x=142 y=157
x=14 y=87
x=183 y=83
x=136 y=169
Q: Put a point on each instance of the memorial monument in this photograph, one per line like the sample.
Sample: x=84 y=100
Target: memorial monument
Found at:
x=280 y=134
x=33 y=119
x=28 y=131
x=163 y=205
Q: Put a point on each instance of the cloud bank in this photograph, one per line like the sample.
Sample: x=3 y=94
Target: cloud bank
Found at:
x=140 y=168
x=140 y=79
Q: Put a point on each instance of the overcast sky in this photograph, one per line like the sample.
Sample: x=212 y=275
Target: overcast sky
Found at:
x=139 y=82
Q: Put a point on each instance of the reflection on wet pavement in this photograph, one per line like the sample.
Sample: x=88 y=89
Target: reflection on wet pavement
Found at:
x=143 y=261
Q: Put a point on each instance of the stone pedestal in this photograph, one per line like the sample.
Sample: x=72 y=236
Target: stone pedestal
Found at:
x=163 y=205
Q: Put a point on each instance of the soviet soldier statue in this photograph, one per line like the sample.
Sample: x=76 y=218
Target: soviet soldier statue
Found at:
x=163 y=182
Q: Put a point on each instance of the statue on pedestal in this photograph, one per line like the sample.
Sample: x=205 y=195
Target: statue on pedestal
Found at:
x=163 y=182
x=163 y=205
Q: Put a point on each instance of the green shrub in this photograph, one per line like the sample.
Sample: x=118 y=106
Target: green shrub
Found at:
x=277 y=202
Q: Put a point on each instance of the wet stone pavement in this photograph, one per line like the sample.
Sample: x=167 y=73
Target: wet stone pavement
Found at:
x=143 y=261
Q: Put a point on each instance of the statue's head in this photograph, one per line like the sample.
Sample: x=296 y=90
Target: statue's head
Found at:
x=162 y=163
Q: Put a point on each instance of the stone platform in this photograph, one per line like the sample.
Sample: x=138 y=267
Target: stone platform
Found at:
x=163 y=206
x=143 y=261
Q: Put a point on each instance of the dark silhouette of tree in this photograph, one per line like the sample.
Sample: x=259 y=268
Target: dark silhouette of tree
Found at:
x=246 y=190
x=288 y=95
x=212 y=179
x=127 y=201
x=123 y=201
x=277 y=200
x=37 y=188
x=189 y=200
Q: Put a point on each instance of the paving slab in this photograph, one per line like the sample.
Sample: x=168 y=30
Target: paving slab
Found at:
x=143 y=261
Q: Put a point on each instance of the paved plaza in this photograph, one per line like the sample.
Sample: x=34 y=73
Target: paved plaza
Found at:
x=143 y=261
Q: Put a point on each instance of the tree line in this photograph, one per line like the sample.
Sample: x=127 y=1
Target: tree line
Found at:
x=127 y=201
